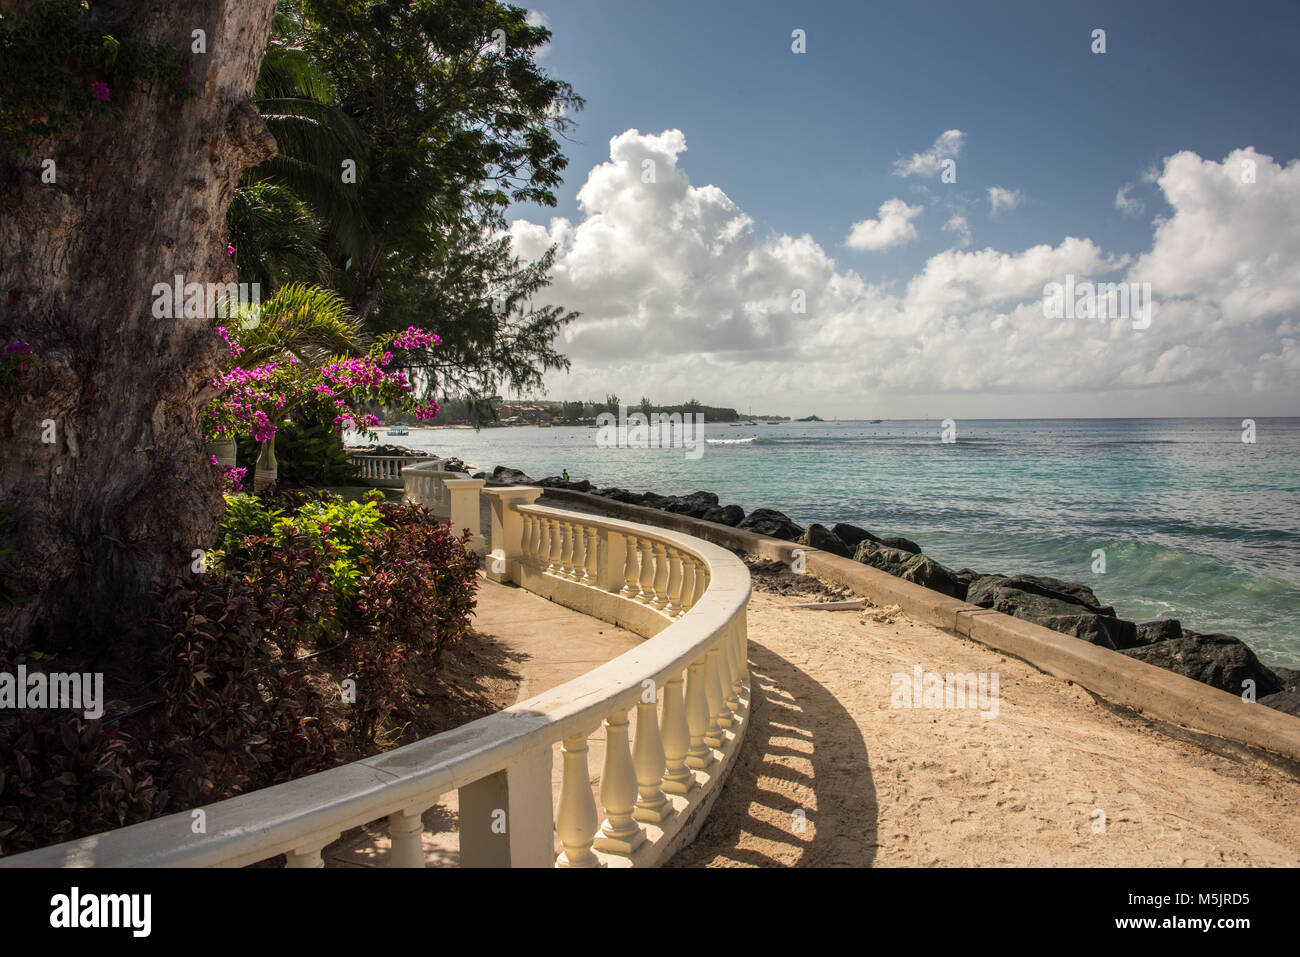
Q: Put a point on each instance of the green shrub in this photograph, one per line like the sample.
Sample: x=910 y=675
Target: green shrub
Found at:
x=311 y=454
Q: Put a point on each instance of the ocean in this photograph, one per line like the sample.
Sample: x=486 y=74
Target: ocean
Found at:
x=1194 y=523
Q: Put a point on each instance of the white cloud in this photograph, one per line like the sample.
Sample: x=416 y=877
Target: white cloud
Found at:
x=680 y=295
x=929 y=162
x=1125 y=203
x=1229 y=243
x=535 y=18
x=957 y=224
x=1003 y=199
x=893 y=228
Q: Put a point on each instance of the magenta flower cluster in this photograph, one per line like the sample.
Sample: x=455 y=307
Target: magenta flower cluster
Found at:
x=415 y=338
x=235 y=348
x=232 y=478
x=254 y=401
x=100 y=91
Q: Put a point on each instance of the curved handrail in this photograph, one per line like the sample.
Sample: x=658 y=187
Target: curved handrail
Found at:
x=504 y=759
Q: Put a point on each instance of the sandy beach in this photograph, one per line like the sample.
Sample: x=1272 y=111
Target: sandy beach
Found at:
x=888 y=786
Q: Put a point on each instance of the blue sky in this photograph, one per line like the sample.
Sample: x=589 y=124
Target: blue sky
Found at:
x=806 y=144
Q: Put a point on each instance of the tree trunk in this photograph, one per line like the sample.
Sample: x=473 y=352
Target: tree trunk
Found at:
x=103 y=521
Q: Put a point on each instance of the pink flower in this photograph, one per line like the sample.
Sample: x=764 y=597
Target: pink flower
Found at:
x=100 y=91
x=230 y=250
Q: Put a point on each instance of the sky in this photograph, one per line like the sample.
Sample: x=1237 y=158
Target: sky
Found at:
x=869 y=228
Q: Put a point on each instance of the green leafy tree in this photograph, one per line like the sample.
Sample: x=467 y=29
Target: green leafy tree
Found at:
x=459 y=119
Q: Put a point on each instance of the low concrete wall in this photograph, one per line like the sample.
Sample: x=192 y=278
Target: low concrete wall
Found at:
x=1126 y=681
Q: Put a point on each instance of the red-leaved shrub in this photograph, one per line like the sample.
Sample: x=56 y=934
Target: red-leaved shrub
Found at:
x=233 y=709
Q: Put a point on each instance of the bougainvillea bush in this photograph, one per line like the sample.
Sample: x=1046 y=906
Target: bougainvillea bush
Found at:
x=289 y=657
x=255 y=401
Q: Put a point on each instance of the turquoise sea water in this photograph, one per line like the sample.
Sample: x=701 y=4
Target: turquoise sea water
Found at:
x=1195 y=524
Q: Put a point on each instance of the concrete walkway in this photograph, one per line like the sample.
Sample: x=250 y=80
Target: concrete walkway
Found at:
x=552 y=645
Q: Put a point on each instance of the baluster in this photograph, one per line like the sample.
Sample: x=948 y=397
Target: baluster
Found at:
x=701 y=582
x=732 y=685
x=525 y=539
x=620 y=834
x=676 y=737
x=566 y=555
x=713 y=695
x=660 y=584
x=630 y=568
x=742 y=647
x=578 y=565
x=646 y=594
x=538 y=545
x=687 y=586
x=673 y=606
x=592 y=576
x=406 y=830
x=528 y=539
x=653 y=805
x=553 y=529
x=576 y=817
x=724 y=683
x=698 y=755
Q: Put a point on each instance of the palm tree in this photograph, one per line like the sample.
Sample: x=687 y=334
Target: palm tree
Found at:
x=299 y=211
x=276 y=237
x=307 y=323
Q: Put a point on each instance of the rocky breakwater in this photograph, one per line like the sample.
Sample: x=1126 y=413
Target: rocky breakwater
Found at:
x=1222 y=661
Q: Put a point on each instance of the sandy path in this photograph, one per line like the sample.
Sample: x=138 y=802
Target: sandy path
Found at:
x=908 y=787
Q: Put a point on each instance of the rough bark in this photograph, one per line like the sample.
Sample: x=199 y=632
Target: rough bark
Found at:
x=104 y=520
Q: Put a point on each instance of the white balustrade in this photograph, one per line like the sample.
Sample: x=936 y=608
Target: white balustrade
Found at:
x=387 y=471
x=687 y=683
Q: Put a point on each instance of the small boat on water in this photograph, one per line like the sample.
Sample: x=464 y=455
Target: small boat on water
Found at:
x=398 y=430
x=774 y=423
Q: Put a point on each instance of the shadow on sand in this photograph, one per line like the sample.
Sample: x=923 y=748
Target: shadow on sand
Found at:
x=803 y=752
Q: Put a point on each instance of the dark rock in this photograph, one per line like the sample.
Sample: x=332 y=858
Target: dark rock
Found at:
x=902 y=544
x=819 y=536
x=389 y=450
x=1222 y=661
x=851 y=535
x=655 y=500
x=1289 y=677
x=481 y=475
x=503 y=473
x=887 y=559
x=769 y=522
x=966 y=576
x=454 y=465
x=1062 y=606
x=554 y=481
x=695 y=505
x=925 y=571
x=1039 y=585
x=623 y=495
x=731 y=515
x=1288 y=701
x=1162 y=629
